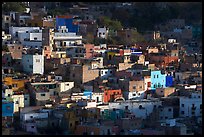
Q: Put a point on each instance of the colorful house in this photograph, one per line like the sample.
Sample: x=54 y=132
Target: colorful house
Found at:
x=7 y=108
x=68 y=22
x=88 y=94
x=14 y=83
x=157 y=79
x=110 y=95
x=169 y=81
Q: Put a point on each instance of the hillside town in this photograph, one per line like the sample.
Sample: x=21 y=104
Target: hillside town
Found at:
x=83 y=72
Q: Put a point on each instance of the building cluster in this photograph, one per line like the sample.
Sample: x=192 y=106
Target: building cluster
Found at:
x=54 y=83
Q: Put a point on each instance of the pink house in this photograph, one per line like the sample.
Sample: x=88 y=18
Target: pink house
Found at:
x=89 y=50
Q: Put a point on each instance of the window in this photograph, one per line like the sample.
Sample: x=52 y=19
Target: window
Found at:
x=182 y=112
x=110 y=71
x=106 y=72
x=25 y=99
x=43 y=94
x=200 y=106
x=17 y=102
x=154 y=76
x=140 y=106
x=14 y=85
x=166 y=117
x=27 y=60
x=19 y=47
x=35 y=38
x=7 y=18
x=134 y=94
x=31 y=116
x=37 y=60
x=161 y=91
x=193 y=113
x=161 y=110
x=157 y=76
x=126 y=107
x=8 y=107
x=67 y=84
x=169 y=109
x=140 y=87
x=134 y=87
x=32 y=127
x=70 y=124
x=9 y=95
x=30 y=66
x=182 y=105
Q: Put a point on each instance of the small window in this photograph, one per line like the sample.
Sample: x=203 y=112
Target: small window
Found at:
x=134 y=94
x=43 y=94
x=30 y=66
x=37 y=60
x=67 y=84
x=35 y=38
x=161 y=91
x=17 y=102
x=140 y=106
x=182 y=105
x=134 y=87
x=157 y=76
x=166 y=117
x=200 y=106
x=182 y=112
x=126 y=107
x=8 y=107
x=32 y=127
x=106 y=72
x=31 y=116
x=25 y=99
x=19 y=47
x=70 y=124
x=14 y=85
x=169 y=109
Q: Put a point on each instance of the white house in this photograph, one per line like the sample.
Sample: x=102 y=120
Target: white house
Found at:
x=33 y=63
x=140 y=108
x=20 y=100
x=98 y=97
x=134 y=95
x=102 y=32
x=191 y=106
x=105 y=73
x=65 y=38
x=65 y=86
x=15 y=30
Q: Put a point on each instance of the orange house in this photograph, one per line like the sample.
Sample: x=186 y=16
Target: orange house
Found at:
x=110 y=95
x=14 y=83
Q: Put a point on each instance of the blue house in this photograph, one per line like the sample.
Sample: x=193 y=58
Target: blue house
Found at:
x=7 y=108
x=169 y=81
x=68 y=22
x=158 y=80
x=88 y=93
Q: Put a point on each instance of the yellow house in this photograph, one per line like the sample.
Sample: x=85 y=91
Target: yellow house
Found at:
x=16 y=84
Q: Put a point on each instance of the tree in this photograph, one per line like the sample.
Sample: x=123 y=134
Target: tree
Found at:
x=5 y=48
x=111 y=24
x=13 y=6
